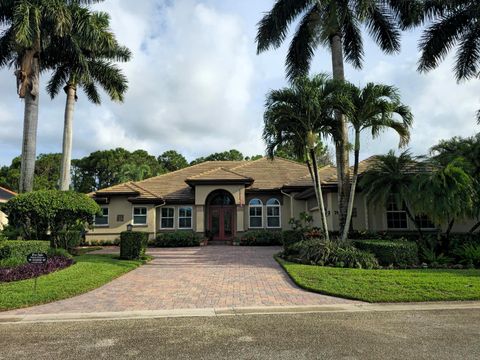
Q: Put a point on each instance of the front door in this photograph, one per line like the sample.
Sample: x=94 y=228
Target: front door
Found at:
x=221 y=222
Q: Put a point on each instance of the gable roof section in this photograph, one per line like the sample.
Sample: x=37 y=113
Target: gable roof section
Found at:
x=262 y=174
x=6 y=194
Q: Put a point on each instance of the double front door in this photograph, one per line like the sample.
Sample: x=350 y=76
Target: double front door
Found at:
x=222 y=222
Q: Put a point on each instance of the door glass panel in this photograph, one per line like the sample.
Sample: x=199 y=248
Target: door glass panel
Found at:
x=215 y=223
x=227 y=223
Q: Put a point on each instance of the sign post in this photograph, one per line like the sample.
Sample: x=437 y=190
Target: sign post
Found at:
x=38 y=259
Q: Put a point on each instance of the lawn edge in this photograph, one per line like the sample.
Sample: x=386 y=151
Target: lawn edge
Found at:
x=282 y=263
x=112 y=256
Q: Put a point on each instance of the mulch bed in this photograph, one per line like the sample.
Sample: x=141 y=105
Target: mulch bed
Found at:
x=28 y=271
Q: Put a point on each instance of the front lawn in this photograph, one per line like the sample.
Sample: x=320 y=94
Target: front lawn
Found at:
x=89 y=272
x=387 y=285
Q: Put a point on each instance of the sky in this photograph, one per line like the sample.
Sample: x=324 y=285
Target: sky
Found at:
x=196 y=85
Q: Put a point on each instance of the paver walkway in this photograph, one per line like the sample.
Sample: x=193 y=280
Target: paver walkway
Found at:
x=185 y=278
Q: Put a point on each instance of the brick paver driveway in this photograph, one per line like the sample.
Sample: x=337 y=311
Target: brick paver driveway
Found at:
x=206 y=277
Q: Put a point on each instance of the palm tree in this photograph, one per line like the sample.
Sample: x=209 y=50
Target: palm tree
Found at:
x=446 y=193
x=28 y=26
x=336 y=25
x=134 y=172
x=84 y=61
x=374 y=108
x=297 y=116
x=392 y=176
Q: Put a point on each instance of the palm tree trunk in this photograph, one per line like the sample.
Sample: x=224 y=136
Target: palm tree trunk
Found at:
x=30 y=122
x=474 y=227
x=319 y=193
x=351 y=200
x=65 y=177
x=341 y=142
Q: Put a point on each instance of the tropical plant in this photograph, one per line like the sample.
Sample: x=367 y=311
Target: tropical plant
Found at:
x=172 y=160
x=392 y=177
x=83 y=59
x=298 y=116
x=445 y=193
x=336 y=25
x=28 y=27
x=374 y=108
x=133 y=172
x=469 y=150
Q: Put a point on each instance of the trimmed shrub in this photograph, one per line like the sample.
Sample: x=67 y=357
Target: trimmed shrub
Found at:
x=133 y=245
x=28 y=271
x=21 y=248
x=40 y=213
x=261 y=238
x=397 y=253
x=178 y=239
x=351 y=257
x=327 y=253
x=69 y=239
x=9 y=233
x=290 y=237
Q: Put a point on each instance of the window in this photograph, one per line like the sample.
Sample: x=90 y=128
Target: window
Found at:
x=273 y=213
x=396 y=218
x=185 y=218
x=139 y=216
x=255 y=208
x=102 y=219
x=424 y=222
x=167 y=218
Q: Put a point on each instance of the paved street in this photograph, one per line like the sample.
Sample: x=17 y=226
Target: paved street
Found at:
x=445 y=334
x=189 y=278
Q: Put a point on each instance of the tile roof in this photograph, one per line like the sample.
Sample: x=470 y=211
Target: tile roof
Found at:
x=266 y=174
x=6 y=194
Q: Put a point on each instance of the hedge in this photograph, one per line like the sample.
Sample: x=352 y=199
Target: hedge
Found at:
x=177 y=239
x=290 y=237
x=133 y=245
x=261 y=238
x=397 y=252
x=21 y=248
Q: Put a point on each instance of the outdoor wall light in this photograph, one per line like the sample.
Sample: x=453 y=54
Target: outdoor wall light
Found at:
x=129 y=227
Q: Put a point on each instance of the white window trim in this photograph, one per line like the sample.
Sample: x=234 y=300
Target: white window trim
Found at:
x=397 y=229
x=108 y=218
x=161 y=218
x=261 y=217
x=185 y=217
x=279 y=206
x=133 y=215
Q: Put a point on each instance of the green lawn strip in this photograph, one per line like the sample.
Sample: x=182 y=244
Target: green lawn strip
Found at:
x=89 y=272
x=387 y=285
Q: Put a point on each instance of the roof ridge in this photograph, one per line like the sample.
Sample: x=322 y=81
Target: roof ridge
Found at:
x=146 y=190
x=235 y=173
x=288 y=160
x=8 y=191
x=185 y=168
x=204 y=173
x=247 y=163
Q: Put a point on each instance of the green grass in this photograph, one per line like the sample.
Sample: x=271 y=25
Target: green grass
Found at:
x=89 y=272
x=387 y=285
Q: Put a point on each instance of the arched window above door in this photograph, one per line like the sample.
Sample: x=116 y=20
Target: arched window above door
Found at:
x=221 y=197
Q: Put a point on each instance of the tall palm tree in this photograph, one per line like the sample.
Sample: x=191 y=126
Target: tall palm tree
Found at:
x=84 y=61
x=335 y=24
x=374 y=109
x=297 y=116
x=28 y=25
x=393 y=176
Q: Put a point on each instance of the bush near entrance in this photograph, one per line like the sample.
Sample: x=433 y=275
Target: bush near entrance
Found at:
x=133 y=245
x=177 y=239
x=261 y=238
x=21 y=248
x=396 y=253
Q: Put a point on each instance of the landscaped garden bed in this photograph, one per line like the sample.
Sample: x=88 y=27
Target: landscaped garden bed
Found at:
x=28 y=271
x=89 y=272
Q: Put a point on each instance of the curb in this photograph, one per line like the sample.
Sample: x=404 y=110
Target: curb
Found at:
x=235 y=311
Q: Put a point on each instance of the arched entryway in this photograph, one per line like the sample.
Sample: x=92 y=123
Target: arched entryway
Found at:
x=221 y=216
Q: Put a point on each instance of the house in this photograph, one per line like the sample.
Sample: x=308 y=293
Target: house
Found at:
x=5 y=195
x=225 y=198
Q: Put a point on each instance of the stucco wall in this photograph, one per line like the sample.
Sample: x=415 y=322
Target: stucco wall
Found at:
x=3 y=217
x=120 y=206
